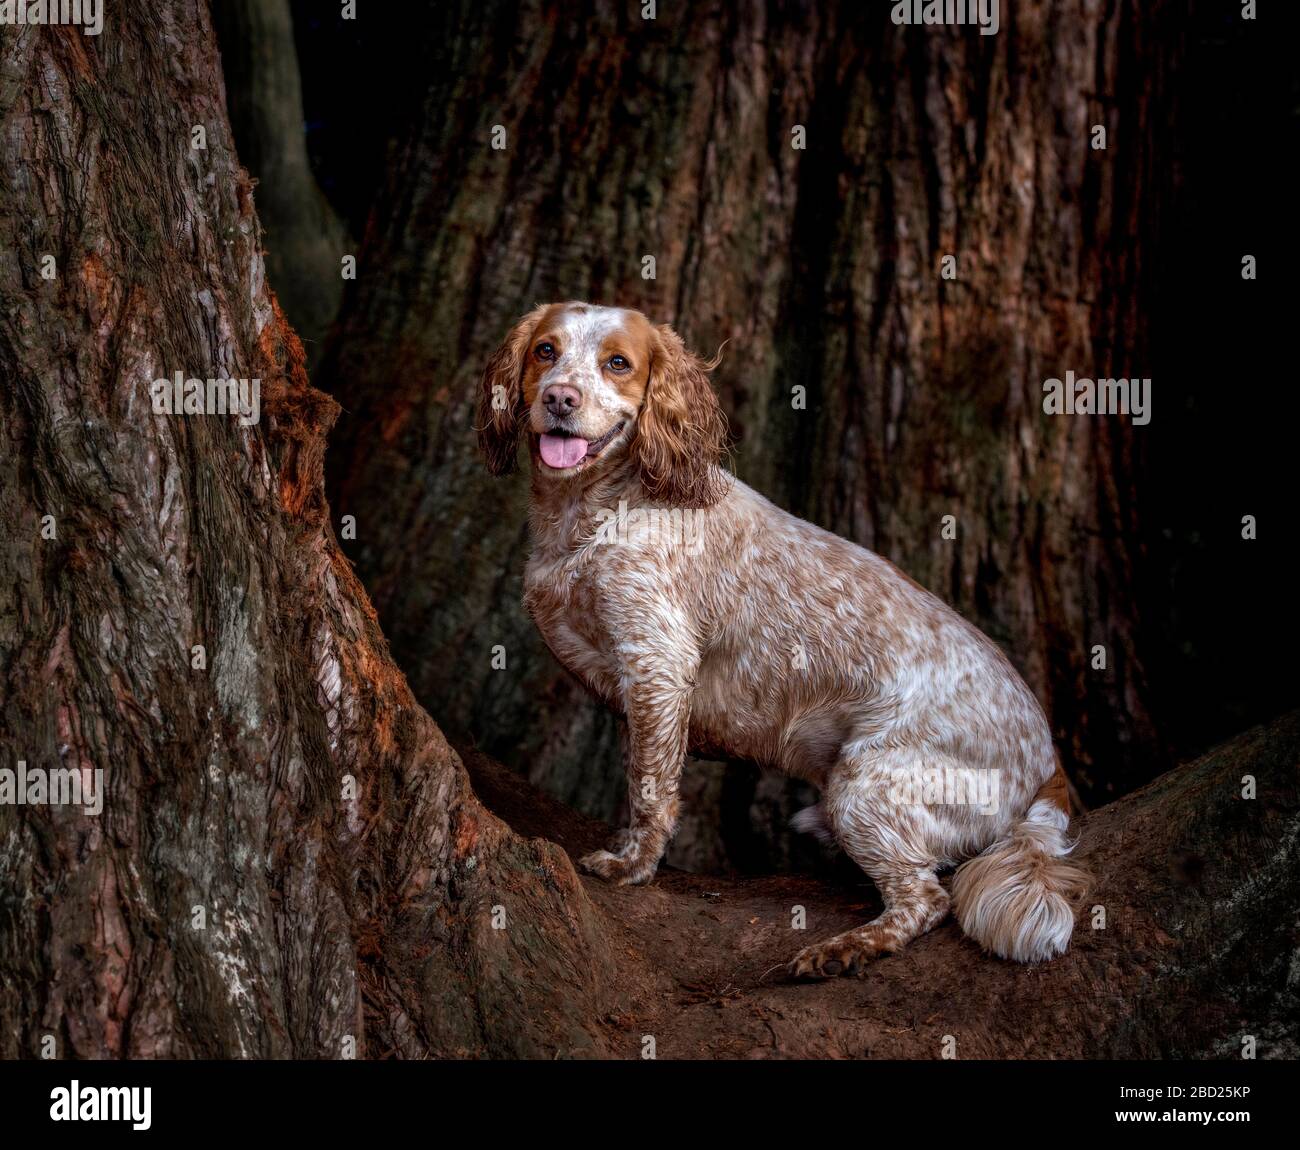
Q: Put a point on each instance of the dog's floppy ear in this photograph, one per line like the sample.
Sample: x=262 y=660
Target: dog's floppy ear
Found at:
x=500 y=401
x=681 y=432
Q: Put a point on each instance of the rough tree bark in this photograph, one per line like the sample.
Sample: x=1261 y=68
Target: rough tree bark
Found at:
x=820 y=268
x=326 y=917
x=229 y=900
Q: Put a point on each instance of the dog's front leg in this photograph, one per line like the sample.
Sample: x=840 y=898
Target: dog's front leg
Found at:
x=658 y=706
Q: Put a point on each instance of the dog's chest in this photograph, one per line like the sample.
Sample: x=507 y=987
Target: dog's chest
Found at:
x=562 y=596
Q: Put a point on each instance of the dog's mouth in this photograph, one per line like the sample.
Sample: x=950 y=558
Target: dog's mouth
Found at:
x=561 y=450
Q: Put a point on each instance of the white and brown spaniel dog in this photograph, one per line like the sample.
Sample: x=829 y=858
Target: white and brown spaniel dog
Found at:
x=713 y=620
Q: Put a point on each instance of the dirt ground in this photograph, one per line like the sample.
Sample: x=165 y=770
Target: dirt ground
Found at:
x=1161 y=964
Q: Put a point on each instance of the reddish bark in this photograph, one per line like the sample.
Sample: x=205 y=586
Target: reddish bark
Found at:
x=323 y=917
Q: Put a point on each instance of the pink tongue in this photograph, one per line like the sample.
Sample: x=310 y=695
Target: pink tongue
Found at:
x=562 y=450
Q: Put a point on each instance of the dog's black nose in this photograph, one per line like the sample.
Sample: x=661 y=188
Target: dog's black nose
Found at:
x=561 y=399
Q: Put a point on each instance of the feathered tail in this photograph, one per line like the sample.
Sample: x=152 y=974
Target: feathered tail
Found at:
x=1017 y=899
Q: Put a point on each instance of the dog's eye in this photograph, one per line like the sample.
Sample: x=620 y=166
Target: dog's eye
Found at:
x=545 y=351
x=618 y=363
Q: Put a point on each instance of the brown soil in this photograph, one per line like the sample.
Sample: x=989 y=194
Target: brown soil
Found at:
x=701 y=958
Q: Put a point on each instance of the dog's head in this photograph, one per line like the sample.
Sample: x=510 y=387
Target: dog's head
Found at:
x=592 y=386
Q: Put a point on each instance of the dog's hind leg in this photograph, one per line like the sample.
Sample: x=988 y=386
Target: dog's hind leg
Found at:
x=891 y=841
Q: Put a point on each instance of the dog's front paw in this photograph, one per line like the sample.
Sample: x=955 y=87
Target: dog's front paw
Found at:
x=623 y=870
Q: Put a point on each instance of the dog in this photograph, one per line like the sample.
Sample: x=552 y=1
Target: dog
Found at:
x=716 y=622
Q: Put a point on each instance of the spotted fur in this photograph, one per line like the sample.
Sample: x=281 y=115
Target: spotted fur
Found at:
x=713 y=620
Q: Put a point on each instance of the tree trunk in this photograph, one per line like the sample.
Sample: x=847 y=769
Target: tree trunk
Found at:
x=305 y=240
x=820 y=269
x=232 y=898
